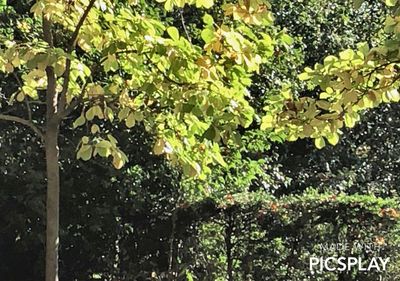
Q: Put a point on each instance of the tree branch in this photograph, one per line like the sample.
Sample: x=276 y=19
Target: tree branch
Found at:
x=79 y=25
x=23 y=122
x=73 y=104
x=66 y=75
x=51 y=93
x=184 y=26
x=28 y=107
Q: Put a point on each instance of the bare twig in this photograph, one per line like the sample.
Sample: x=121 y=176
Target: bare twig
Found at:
x=184 y=27
x=23 y=122
x=28 y=107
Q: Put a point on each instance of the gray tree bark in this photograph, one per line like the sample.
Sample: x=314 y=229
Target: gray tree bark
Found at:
x=52 y=202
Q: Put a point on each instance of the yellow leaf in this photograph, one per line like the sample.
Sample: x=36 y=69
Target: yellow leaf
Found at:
x=350 y=97
x=130 y=121
x=319 y=142
x=158 y=148
x=304 y=76
x=79 y=121
x=20 y=96
x=308 y=130
x=118 y=162
x=85 y=152
x=349 y=120
x=393 y=95
x=323 y=104
x=333 y=138
x=9 y=67
x=95 y=129
x=267 y=122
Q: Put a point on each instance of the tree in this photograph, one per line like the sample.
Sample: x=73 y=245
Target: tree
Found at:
x=105 y=59
x=346 y=85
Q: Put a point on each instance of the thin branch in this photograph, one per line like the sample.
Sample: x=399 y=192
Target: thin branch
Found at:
x=79 y=25
x=36 y=102
x=184 y=27
x=23 y=122
x=71 y=47
x=28 y=107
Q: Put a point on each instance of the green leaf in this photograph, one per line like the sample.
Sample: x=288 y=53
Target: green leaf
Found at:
x=287 y=39
x=85 y=152
x=207 y=35
x=189 y=276
x=112 y=140
x=208 y=19
x=349 y=120
x=79 y=121
x=218 y=157
x=204 y=3
x=111 y=63
x=346 y=54
x=90 y=114
x=3 y=4
x=173 y=33
x=123 y=113
x=391 y=3
x=130 y=121
x=333 y=138
x=304 y=76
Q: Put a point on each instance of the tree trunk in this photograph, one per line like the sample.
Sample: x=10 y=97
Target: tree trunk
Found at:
x=229 y=245
x=52 y=202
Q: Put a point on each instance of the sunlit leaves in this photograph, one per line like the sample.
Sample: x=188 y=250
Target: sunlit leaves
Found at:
x=79 y=121
x=105 y=147
x=134 y=68
x=250 y=11
x=353 y=81
x=391 y=3
x=173 y=33
x=319 y=142
x=170 y=4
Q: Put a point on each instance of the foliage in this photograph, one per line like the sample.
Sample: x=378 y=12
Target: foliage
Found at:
x=189 y=95
x=273 y=238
